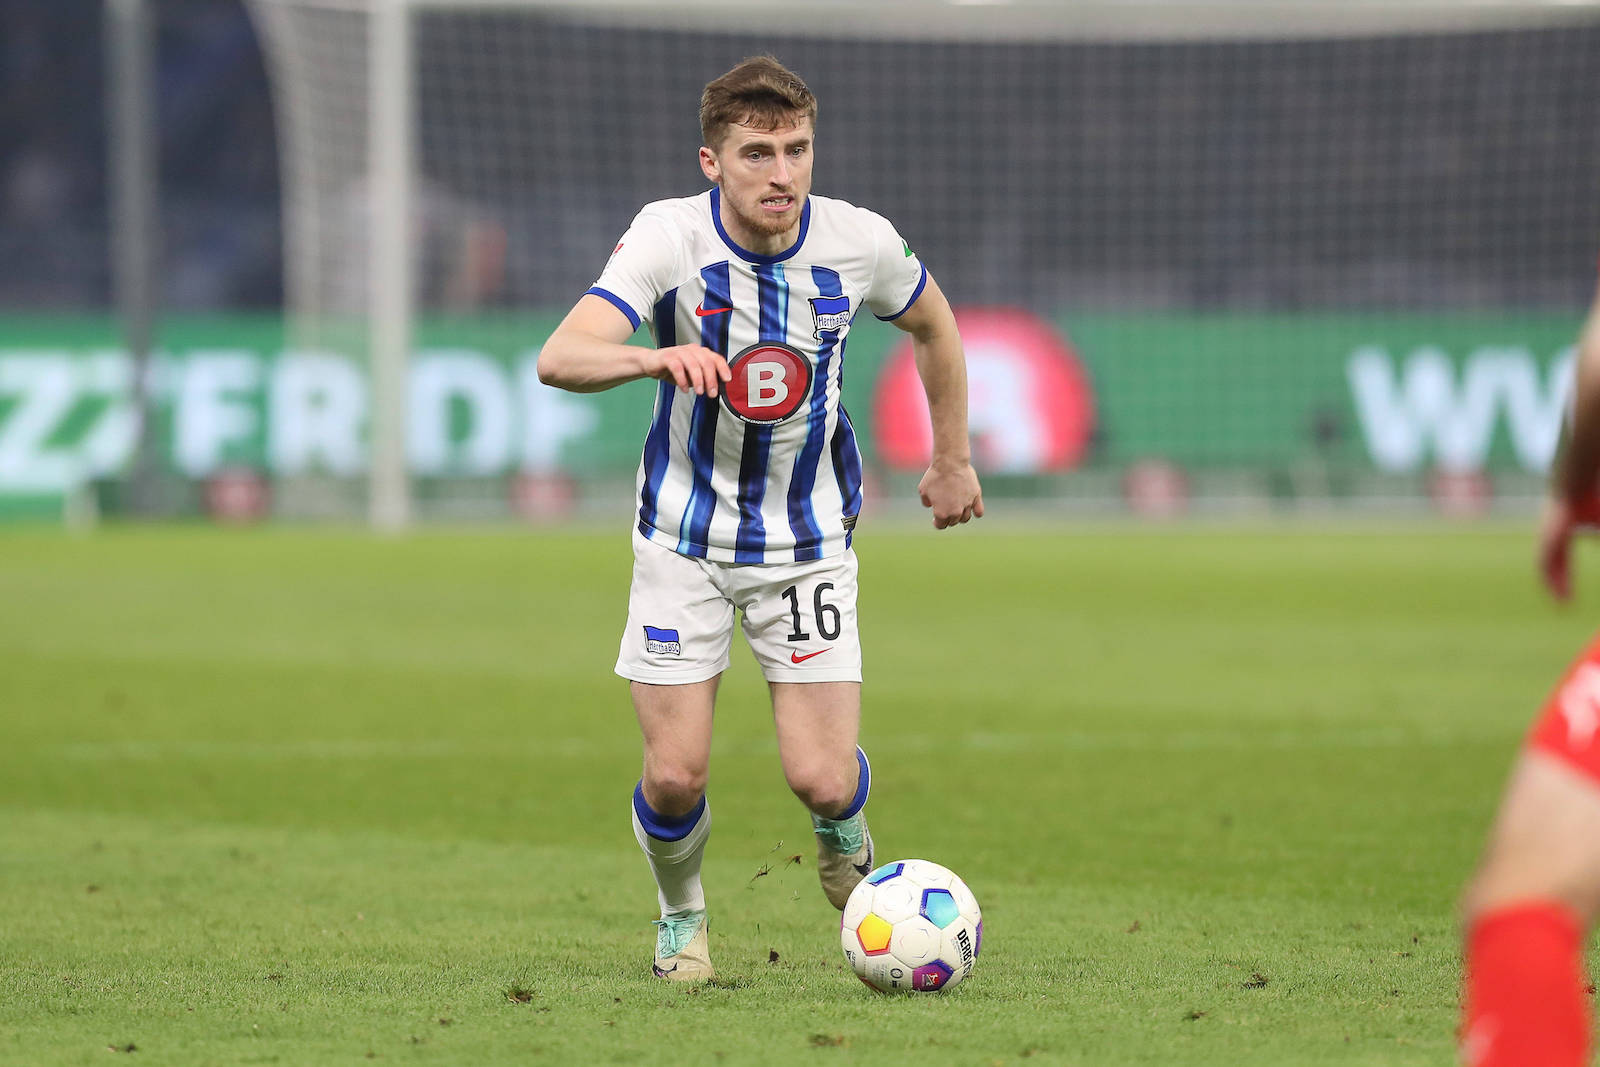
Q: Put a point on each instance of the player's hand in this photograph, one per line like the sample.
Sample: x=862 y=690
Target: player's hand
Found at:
x=952 y=491
x=1555 y=546
x=692 y=368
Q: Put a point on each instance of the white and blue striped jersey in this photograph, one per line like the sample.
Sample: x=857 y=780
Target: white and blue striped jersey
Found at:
x=769 y=472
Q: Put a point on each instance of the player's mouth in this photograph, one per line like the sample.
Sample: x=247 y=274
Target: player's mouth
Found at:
x=777 y=204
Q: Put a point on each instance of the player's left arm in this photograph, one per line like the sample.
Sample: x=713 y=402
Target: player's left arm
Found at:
x=950 y=487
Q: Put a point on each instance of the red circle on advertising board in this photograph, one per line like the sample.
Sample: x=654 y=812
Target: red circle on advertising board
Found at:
x=1030 y=406
x=771 y=381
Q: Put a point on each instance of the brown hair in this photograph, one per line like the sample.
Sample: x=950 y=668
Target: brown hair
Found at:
x=759 y=92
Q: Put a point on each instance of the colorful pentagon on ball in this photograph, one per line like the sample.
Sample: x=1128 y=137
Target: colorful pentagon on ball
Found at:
x=930 y=976
x=965 y=900
x=884 y=873
x=874 y=934
x=940 y=907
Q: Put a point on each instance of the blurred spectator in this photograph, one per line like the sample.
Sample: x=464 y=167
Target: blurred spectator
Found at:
x=461 y=249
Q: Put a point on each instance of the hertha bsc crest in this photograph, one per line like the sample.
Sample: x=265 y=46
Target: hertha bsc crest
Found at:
x=771 y=381
x=832 y=313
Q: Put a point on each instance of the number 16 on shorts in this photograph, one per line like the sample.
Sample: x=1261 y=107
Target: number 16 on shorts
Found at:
x=802 y=627
x=798 y=618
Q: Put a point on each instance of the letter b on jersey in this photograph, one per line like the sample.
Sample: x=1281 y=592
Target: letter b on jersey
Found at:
x=763 y=384
x=771 y=381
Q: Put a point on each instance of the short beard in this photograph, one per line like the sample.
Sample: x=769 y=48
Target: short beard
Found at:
x=767 y=225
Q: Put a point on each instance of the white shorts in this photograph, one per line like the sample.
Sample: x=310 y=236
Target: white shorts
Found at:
x=799 y=618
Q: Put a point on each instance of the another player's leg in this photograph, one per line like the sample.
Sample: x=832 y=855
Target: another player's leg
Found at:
x=1537 y=891
x=672 y=819
x=817 y=724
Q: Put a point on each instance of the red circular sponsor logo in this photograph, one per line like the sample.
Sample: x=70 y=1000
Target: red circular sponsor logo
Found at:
x=771 y=381
x=1029 y=402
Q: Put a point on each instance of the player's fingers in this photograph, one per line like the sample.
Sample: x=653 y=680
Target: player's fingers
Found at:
x=1556 y=582
x=724 y=371
x=675 y=368
x=966 y=514
x=712 y=374
x=926 y=502
x=1555 y=565
x=696 y=376
x=977 y=506
x=1551 y=564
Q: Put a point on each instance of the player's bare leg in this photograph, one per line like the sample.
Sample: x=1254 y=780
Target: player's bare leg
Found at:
x=1536 y=892
x=1545 y=842
x=817 y=725
x=671 y=819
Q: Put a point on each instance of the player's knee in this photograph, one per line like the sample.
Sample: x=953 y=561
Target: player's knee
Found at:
x=675 y=790
x=824 y=789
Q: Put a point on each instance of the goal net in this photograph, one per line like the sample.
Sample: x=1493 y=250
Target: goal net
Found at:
x=1206 y=255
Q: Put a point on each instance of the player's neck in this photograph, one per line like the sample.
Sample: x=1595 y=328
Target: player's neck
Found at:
x=762 y=244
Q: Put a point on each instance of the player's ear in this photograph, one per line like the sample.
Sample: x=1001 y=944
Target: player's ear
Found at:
x=709 y=166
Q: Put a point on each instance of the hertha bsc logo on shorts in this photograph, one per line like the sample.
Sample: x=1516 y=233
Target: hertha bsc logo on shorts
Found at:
x=771 y=381
x=662 y=642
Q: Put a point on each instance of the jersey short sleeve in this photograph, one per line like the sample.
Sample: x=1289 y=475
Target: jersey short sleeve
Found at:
x=898 y=277
x=641 y=268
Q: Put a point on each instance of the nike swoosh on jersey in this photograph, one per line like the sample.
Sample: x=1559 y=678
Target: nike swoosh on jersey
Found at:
x=703 y=311
x=795 y=657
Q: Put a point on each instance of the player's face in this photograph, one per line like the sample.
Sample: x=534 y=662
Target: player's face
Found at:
x=765 y=176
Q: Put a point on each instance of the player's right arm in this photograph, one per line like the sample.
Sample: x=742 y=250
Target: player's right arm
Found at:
x=588 y=352
x=1575 y=486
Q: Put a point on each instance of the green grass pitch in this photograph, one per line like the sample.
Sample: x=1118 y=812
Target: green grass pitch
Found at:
x=310 y=797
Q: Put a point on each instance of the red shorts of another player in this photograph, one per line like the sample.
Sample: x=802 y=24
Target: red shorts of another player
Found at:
x=1569 y=727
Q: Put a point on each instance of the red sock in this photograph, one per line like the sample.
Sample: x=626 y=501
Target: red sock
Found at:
x=1526 y=995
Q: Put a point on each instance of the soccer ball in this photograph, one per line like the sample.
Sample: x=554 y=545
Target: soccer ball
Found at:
x=911 y=926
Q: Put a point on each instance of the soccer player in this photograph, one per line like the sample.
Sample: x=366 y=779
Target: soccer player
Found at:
x=1538 y=889
x=750 y=483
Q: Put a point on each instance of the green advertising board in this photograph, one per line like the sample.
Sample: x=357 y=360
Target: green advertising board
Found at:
x=1367 y=394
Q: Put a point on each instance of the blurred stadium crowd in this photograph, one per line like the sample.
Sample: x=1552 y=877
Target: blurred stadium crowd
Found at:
x=1134 y=176
x=219 y=170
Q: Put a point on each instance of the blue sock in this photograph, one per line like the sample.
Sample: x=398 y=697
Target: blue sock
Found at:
x=665 y=827
x=863 y=787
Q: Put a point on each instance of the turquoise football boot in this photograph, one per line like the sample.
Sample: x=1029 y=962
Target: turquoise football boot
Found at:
x=682 y=951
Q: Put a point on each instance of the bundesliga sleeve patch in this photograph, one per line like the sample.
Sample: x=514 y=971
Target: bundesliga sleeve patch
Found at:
x=662 y=642
x=771 y=381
